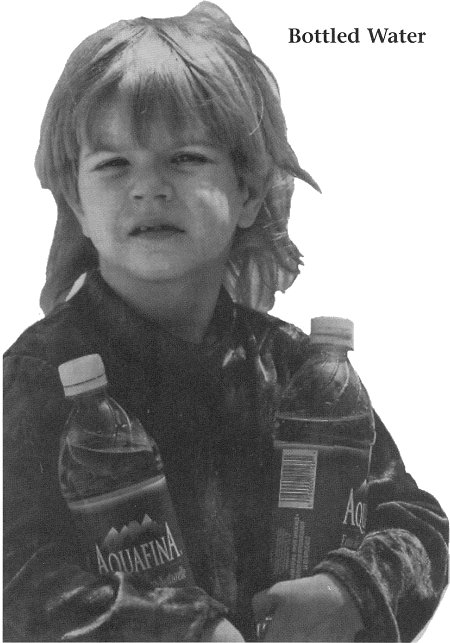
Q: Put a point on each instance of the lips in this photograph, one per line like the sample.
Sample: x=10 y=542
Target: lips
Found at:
x=166 y=228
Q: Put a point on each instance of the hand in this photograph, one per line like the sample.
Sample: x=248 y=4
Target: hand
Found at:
x=221 y=630
x=316 y=608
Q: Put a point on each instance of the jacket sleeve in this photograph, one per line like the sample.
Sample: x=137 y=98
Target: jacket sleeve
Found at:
x=397 y=575
x=49 y=593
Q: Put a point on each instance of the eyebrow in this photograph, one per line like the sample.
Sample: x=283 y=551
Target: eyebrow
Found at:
x=203 y=142
x=183 y=140
x=96 y=149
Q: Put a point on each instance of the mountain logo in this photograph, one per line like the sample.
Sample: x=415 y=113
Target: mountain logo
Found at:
x=115 y=540
x=136 y=557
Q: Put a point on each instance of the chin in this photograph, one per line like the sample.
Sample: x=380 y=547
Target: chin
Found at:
x=160 y=273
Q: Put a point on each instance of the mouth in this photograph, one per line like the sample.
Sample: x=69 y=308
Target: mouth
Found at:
x=157 y=230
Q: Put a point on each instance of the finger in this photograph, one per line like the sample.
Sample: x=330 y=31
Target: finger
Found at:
x=221 y=630
x=275 y=629
x=262 y=629
x=264 y=604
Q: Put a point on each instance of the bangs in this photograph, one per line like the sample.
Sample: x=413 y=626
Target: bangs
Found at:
x=192 y=84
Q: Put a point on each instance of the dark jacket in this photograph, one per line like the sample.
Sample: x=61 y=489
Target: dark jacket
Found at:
x=209 y=408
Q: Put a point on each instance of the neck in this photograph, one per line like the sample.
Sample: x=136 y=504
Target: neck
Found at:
x=184 y=307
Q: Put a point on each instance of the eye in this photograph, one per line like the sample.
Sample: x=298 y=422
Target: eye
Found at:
x=113 y=163
x=194 y=158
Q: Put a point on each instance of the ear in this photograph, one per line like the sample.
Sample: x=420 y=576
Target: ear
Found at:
x=76 y=208
x=253 y=200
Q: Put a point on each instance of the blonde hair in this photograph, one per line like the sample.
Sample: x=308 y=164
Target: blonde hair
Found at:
x=198 y=65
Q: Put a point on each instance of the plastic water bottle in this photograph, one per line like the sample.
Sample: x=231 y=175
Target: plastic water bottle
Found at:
x=111 y=476
x=324 y=434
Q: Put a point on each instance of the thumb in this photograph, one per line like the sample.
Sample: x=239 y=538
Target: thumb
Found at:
x=264 y=604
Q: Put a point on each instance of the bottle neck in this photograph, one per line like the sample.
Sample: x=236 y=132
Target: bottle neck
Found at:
x=88 y=397
x=328 y=347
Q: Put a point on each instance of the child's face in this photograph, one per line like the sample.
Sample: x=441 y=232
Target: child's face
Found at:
x=165 y=210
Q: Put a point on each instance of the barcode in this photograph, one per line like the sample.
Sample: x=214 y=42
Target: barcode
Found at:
x=298 y=478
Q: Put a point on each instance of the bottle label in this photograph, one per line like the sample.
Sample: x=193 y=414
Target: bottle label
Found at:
x=297 y=478
x=355 y=517
x=134 y=530
x=321 y=504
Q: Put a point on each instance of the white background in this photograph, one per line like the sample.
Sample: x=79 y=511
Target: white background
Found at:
x=368 y=121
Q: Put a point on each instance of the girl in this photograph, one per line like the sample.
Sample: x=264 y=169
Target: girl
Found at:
x=165 y=148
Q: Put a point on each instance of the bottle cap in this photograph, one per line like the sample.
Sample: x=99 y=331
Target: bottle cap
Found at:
x=83 y=374
x=332 y=330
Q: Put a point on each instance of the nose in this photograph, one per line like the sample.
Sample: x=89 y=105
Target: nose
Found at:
x=151 y=185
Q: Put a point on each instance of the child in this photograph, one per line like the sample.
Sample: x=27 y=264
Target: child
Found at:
x=165 y=148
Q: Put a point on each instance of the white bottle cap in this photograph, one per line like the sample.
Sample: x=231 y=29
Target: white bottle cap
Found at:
x=332 y=330
x=83 y=374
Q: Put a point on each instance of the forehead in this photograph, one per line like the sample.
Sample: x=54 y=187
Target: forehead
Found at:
x=115 y=125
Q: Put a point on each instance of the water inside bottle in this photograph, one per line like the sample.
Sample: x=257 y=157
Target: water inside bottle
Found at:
x=355 y=430
x=86 y=472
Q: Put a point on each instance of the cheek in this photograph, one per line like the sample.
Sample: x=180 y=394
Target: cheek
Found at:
x=214 y=212
x=93 y=199
x=97 y=193
x=99 y=207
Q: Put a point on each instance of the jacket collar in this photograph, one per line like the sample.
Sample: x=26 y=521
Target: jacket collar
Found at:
x=144 y=339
